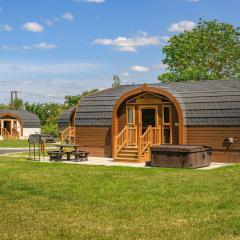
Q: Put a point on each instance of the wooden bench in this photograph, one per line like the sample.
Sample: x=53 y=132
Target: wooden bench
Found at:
x=81 y=155
x=55 y=155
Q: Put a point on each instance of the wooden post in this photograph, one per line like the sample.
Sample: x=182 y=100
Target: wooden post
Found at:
x=150 y=135
x=127 y=136
x=115 y=146
x=139 y=148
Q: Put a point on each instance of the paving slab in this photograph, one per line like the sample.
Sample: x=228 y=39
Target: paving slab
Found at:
x=100 y=161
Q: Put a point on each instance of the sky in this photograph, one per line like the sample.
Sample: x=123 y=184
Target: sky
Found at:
x=53 y=48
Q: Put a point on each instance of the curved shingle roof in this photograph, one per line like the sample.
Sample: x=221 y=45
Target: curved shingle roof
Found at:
x=29 y=120
x=64 y=118
x=204 y=103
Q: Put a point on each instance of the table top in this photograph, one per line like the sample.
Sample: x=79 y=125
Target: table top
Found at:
x=67 y=145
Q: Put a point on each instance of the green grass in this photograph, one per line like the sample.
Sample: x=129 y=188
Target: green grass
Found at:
x=16 y=144
x=13 y=144
x=61 y=201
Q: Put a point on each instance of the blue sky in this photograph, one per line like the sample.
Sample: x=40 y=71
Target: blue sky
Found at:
x=51 y=48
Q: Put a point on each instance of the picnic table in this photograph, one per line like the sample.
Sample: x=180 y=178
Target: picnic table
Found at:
x=68 y=149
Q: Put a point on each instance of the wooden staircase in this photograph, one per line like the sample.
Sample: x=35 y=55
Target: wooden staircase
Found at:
x=132 y=148
x=128 y=153
x=68 y=135
x=9 y=136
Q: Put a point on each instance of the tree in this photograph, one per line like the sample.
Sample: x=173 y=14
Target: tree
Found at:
x=48 y=113
x=72 y=101
x=16 y=104
x=116 y=81
x=210 y=51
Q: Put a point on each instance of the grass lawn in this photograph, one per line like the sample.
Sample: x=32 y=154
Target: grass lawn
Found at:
x=63 y=201
x=16 y=144
x=13 y=143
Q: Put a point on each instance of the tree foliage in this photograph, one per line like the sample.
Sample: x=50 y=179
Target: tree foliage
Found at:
x=210 y=51
x=48 y=113
x=116 y=81
x=16 y=104
x=72 y=101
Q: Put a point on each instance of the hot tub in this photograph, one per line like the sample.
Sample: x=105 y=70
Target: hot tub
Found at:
x=180 y=156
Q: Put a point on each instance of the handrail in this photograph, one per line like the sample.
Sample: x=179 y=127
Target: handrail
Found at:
x=146 y=139
x=121 y=139
x=128 y=136
x=151 y=136
x=67 y=133
x=132 y=135
x=15 y=132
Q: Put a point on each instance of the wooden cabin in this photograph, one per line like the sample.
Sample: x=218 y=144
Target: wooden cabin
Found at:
x=123 y=122
x=18 y=124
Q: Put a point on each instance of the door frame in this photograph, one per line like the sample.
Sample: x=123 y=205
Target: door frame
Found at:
x=140 y=108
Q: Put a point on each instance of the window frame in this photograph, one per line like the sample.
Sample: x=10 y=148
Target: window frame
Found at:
x=167 y=125
x=133 y=115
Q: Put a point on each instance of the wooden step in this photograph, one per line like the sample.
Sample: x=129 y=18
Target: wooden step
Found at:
x=129 y=151
x=132 y=147
x=123 y=159
x=128 y=155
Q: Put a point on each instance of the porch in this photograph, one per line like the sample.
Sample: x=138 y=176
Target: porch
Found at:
x=10 y=128
x=141 y=120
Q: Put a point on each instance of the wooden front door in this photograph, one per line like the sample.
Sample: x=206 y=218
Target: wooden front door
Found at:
x=148 y=116
x=7 y=126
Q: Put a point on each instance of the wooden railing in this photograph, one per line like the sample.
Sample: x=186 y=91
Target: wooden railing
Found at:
x=4 y=132
x=121 y=140
x=132 y=135
x=151 y=136
x=145 y=140
x=127 y=137
x=67 y=134
x=15 y=133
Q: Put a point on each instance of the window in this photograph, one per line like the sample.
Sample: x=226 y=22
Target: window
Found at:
x=166 y=114
x=167 y=135
x=130 y=115
x=167 y=124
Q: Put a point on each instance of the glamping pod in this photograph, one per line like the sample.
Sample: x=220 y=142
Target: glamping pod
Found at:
x=18 y=124
x=125 y=121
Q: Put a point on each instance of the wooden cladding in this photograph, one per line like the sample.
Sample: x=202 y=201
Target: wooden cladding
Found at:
x=97 y=140
x=214 y=137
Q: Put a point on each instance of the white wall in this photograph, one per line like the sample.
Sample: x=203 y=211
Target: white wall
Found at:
x=28 y=131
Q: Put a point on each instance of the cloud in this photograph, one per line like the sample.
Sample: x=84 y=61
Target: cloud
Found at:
x=138 y=68
x=125 y=74
x=192 y=1
x=48 y=68
x=40 y=46
x=45 y=46
x=182 y=26
x=165 y=39
x=91 y=1
x=123 y=44
x=68 y=16
x=6 y=28
x=49 y=22
x=33 y=27
x=160 y=66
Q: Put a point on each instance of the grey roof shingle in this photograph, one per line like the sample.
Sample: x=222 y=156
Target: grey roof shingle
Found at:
x=29 y=120
x=204 y=103
x=64 y=118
